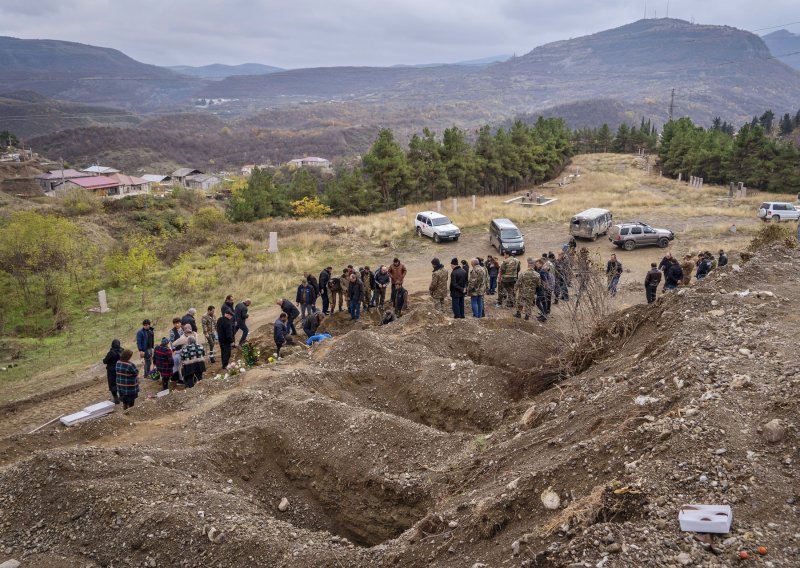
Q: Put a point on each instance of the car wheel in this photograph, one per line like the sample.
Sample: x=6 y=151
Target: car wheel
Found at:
x=419 y=231
x=455 y=239
x=629 y=245
x=776 y=218
x=436 y=238
x=663 y=242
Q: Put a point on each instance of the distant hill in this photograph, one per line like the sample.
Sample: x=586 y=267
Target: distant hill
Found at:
x=715 y=70
x=89 y=74
x=785 y=46
x=217 y=71
x=28 y=114
x=482 y=62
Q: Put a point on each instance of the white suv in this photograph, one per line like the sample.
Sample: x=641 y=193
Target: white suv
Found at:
x=437 y=226
x=778 y=211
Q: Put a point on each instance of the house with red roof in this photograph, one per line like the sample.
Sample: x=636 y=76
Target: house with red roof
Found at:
x=102 y=186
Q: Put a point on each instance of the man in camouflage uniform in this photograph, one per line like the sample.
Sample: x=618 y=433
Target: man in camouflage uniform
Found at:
x=477 y=284
x=335 y=292
x=368 y=279
x=563 y=276
x=509 y=269
x=688 y=267
x=438 y=287
x=209 y=323
x=525 y=289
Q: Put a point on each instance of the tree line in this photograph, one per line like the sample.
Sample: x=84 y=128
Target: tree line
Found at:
x=755 y=155
x=430 y=168
x=627 y=139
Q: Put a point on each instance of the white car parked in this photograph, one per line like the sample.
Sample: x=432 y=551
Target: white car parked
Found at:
x=437 y=226
x=778 y=211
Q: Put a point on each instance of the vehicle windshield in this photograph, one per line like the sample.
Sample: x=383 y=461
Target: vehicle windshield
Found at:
x=439 y=221
x=510 y=234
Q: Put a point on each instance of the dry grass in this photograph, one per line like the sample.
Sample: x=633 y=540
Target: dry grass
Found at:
x=610 y=181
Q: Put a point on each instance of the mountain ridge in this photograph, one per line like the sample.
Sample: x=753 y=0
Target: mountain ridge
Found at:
x=784 y=46
x=216 y=71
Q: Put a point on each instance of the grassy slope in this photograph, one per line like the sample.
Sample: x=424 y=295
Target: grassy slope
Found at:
x=611 y=181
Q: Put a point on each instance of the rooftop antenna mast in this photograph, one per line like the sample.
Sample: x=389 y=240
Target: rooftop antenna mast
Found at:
x=667 y=8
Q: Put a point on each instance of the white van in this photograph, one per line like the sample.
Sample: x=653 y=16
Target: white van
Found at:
x=437 y=226
x=591 y=223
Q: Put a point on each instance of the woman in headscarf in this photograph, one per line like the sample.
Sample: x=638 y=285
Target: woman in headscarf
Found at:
x=110 y=361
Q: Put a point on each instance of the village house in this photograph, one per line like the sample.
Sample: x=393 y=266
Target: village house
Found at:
x=99 y=171
x=102 y=186
x=310 y=162
x=179 y=176
x=157 y=179
x=247 y=169
x=202 y=181
x=49 y=180
x=128 y=185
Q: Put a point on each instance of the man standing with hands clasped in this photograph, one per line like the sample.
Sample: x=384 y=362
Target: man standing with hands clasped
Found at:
x=145 y=341
x=478 y=283
x=651 y=282
x=458 y=287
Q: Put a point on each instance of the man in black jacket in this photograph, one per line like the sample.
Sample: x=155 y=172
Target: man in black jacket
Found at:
x=280 y=333
x=324 y=277
x=311 y=323
x=673 y=275
x=189 y=318
x=227 y=306
x=458 y=287
x=226 y=334
x=355 y=290
x=291 y=314
x=651 y=282
x=723 y=258
x=240 y=314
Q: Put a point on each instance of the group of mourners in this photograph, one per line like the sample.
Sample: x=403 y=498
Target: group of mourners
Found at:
x=358 y=289
x=543 y=282
x=179 y=358
x=675 y=273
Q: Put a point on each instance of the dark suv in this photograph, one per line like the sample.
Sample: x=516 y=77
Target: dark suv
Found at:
x=628 y=236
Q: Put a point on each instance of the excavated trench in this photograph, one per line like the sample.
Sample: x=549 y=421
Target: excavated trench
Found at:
x=354 y=472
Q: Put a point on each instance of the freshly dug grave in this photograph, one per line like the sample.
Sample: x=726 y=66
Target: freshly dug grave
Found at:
x=408 y=445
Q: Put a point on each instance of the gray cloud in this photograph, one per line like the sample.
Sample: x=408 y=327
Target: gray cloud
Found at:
x=309 y=33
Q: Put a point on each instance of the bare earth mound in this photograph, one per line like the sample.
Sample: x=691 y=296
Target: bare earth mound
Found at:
x=437 y=442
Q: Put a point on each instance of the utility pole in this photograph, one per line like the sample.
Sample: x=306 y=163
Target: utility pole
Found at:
x=667 y=8
x=645 y=9
x=672 y=105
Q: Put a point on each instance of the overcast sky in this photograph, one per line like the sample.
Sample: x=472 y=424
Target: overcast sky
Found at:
x=310 y=33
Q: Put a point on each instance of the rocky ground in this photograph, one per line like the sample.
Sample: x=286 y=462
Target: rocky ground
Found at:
x=434 y=442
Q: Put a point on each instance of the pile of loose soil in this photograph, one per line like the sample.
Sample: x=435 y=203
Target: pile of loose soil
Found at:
x=431 y=441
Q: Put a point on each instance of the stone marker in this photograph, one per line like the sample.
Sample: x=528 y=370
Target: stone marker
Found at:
x=439 y=206
x=455 y=204
x=474 y=201
x=101 y=295
x=680 y=176
x=273 y=242
x=730 y=190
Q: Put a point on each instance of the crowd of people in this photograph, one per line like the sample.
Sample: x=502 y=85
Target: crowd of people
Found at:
x=544 y=281
x=675 y=273
x=179 y=358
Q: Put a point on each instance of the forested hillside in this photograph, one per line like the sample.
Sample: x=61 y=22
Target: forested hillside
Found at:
x=754 y=155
